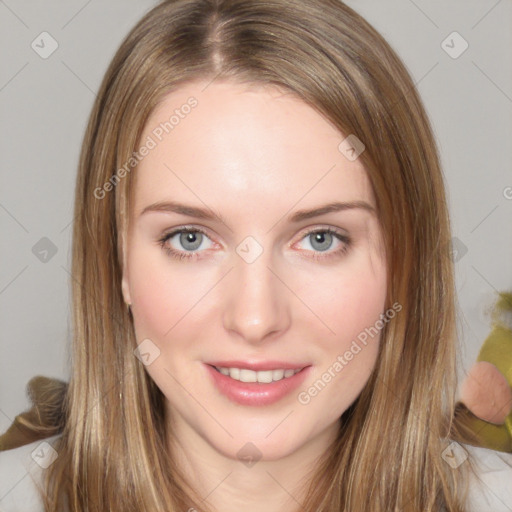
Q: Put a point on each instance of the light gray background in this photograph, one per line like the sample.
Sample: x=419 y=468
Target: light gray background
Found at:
x=45 y=104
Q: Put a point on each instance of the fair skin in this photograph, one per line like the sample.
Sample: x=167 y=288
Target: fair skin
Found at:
x=255 y=155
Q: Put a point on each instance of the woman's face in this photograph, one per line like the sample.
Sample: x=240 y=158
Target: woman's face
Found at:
x=257 y=280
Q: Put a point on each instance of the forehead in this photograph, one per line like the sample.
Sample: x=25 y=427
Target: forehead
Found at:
x=225 y=143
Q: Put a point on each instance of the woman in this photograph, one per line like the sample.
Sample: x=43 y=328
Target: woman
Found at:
x=286 y=142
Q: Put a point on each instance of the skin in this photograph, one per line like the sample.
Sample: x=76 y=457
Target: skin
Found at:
x=255 y=154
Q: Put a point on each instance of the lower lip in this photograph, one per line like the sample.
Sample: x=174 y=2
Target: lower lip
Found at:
x=256 y=393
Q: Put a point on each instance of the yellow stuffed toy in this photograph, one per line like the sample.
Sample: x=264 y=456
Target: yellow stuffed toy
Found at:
x=487 y=389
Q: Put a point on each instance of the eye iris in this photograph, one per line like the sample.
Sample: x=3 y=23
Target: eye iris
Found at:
x=193 y=238
x=324 y=238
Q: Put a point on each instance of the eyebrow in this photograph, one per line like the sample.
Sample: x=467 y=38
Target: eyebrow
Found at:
x=298 y=216
x=328 y=208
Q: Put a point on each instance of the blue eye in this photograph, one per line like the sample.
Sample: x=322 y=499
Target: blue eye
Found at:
x=190 y=239
x=320 y=240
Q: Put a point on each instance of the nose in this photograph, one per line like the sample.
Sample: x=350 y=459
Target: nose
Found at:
x=256 y=302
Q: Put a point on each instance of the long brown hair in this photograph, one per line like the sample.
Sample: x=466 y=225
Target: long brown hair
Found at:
x=113 y=451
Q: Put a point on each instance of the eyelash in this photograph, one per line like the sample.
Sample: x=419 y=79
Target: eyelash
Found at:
x=317 y=255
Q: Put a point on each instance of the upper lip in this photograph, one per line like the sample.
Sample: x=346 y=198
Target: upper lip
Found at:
x=258 y=365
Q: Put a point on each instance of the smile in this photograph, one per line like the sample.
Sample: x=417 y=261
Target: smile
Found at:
x=252 y=391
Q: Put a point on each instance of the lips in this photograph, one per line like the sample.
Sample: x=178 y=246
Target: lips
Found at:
x=255 y=393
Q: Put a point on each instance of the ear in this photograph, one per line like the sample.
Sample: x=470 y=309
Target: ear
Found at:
x=125 y=284
x=126 y=288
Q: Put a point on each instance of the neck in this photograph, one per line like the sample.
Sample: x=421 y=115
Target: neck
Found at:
x=252 y=481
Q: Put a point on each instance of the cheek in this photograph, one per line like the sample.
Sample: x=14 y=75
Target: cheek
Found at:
x=362 y=294
x=346 y=357
x=161 y=297
x=359 y=305
x=346 y=301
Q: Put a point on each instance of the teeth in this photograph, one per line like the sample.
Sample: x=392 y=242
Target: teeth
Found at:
x=244 y=375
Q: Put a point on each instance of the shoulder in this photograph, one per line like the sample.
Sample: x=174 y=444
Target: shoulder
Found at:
x=21 y=471
x=490 y=486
